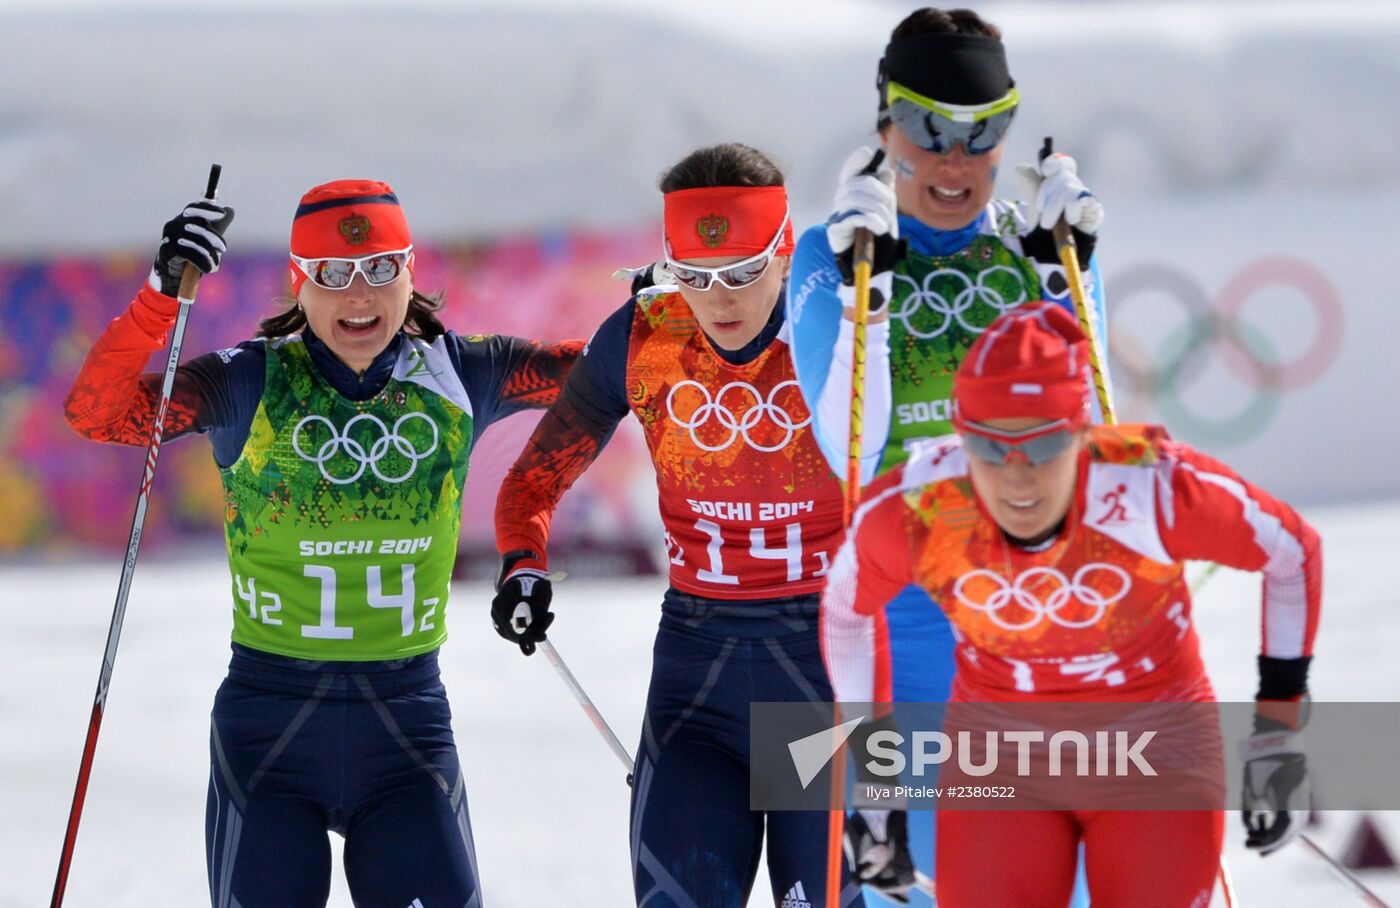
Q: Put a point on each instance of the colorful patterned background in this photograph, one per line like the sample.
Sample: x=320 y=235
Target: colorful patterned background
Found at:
x=64 y=494
x=1241 y=350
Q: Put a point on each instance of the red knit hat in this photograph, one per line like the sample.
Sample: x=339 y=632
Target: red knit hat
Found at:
x=1032 y=361
x=347 y=219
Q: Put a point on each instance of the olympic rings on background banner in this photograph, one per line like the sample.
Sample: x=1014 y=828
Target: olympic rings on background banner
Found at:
x=1217 y=328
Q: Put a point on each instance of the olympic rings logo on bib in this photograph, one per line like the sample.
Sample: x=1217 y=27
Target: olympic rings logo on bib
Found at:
x=1070 y=602
x=728 y=425
x=992 y=300
x=368 y=448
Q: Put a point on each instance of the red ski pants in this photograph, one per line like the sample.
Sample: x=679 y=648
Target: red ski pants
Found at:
x=1027 y=859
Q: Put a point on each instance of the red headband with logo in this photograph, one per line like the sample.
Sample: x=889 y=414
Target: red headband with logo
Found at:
x=726 y=220
x=347 y=219
x=1031 y=362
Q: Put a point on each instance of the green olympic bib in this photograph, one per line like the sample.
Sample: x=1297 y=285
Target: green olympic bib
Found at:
x=341 y=517
x=941 y=305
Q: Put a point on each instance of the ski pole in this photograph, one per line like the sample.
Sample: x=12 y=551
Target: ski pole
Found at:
x=189 y=282
x=1227 y=884
x=1204 y=577
x=1069 y=258
x=924 y=883
x=863 y=258
x=1346 y=876
x=587 y=703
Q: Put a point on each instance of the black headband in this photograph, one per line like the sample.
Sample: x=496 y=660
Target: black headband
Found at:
x=952 y=68
x=383 y=198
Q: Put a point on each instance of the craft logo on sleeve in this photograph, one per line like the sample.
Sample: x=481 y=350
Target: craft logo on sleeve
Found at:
x=712 y=229
x=355 y=228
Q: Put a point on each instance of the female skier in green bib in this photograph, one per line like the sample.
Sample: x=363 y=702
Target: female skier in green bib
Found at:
x=342 y=435
x=949 y=259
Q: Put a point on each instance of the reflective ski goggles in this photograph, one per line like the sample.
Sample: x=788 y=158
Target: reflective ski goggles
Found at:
x=336 y=274
x=937 y=127
x=736 y=276
x=997 y=448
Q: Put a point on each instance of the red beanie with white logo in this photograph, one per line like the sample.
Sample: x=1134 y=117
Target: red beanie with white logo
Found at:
x=1031 y=362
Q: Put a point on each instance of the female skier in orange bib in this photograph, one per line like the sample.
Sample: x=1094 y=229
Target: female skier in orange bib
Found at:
x=752 y=516
x=1057 y=550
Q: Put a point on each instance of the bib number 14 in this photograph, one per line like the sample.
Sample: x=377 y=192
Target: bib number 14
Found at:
x=265 y=606
x=790 y=553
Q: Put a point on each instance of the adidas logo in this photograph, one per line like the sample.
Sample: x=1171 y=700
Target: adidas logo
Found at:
x=795 y=898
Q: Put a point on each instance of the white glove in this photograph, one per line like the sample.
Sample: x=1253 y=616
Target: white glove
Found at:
x=864 y=198
x=1055 y=191
x=1277 y=794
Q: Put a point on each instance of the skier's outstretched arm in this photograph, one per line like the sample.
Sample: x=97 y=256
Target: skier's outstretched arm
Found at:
x=823 y=281
x=569 y=437
x=1208 y=512
x=111 y=399
x=504 y=375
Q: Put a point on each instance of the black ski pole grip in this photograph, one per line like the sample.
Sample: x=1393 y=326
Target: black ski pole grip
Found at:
x=189 y=278
x=874 y=165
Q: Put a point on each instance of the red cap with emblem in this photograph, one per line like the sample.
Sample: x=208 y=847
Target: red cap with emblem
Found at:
x=726 y=220
x=1032 y=361
x=347 y=219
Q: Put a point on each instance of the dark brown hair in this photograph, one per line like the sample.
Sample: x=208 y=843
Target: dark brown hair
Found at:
x=931 y=20
x=421 y=319
x=729 y=164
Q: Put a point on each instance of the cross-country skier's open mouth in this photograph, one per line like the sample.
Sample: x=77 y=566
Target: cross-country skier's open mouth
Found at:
x=949 y=199
x=358 y=325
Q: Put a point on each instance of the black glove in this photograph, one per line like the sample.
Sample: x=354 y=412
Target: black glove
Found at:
x=520 y=610
x=1277 y=796
x=1039 y=245
x=194 y=236
x=877 y=848
x=650 y=276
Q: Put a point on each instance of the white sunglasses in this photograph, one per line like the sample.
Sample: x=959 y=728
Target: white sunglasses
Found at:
x=336 y=274
x=736 y=276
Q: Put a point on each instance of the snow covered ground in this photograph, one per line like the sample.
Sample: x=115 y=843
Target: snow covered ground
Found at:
x=548 y=799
